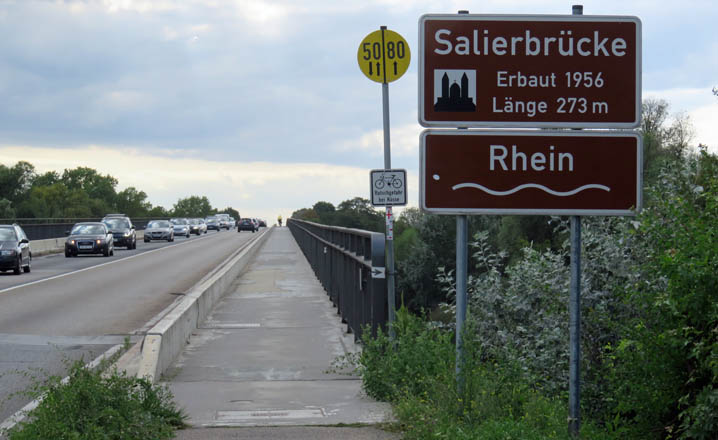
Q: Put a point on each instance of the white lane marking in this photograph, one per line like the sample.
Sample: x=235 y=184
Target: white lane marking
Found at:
x=96 y=266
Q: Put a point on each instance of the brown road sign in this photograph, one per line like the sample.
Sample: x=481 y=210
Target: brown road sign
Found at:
x=530 y=172
x=561 y=71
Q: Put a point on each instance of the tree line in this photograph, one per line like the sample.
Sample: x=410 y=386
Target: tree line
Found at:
x=83 y=192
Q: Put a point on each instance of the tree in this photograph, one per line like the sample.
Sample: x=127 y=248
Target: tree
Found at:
x=193 y=206
x=231 y=211
x=93 y=183
x=16 y=181
x=6 y=210
x=307 y=214
x=132 y=202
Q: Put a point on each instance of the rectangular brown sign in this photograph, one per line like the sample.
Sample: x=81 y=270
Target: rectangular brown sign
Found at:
x=522 y=172
x=571 y=71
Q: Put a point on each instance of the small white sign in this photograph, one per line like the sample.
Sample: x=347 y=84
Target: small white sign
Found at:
x=388 y=187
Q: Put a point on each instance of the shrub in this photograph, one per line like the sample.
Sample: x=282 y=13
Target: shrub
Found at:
x=90 y=405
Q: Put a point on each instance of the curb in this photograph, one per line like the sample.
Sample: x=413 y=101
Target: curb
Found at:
x=168 y=338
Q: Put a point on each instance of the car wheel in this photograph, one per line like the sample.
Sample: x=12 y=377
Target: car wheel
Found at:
x=106 y=252
x=27 y=268
x=188 y=235
x=16 y=270
x=67 y=254
x=146 y=240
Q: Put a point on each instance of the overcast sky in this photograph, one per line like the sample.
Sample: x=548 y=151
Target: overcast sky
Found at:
x=260 y=105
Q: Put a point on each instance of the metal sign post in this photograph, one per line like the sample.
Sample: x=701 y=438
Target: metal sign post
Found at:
x=384 y=56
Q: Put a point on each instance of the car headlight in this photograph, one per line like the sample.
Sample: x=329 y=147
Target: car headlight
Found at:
x=99 y=241
x=71 y=242
x=127 y=234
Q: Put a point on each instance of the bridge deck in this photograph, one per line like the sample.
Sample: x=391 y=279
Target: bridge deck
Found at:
x=262 y=356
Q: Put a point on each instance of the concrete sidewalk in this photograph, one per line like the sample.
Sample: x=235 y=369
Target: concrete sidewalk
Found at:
x=262 y=359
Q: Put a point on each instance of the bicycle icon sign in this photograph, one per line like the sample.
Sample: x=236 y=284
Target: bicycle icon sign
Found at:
x=390 y=181
x=388 y=187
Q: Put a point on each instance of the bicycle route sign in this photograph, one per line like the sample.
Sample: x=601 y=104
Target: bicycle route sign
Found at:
x=388 y=187
x=529 y=71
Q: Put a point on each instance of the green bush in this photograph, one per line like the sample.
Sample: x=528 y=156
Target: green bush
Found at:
x=92 y=406
x=416 y=372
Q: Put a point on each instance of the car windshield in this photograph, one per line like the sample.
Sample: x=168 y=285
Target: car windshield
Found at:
x=7 y=234
x=178 y=221
x=116 y=223
x=88 y=230
x=158 y=224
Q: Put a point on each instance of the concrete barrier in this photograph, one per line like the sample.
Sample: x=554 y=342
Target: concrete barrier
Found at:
x=57 y=245
x=168 y=338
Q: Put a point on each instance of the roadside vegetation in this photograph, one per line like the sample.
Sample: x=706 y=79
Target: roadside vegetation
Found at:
x=649 y=314
x=92 y=405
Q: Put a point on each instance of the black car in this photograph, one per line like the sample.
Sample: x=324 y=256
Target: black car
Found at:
x=247 y=224
x=14 y=249
x=123 y=231
x=89 y=238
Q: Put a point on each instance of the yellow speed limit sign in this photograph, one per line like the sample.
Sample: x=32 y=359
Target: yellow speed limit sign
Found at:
x=383 y=56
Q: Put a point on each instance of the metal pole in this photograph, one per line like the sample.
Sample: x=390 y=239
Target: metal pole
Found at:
x=389 y=215
x=574 y=319
x=462 y=264
x=574 y=385
x=461 y=282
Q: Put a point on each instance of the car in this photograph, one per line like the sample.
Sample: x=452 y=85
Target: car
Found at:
x=181 y=226
x=223 y=220
x=123 y=231
x=159 y=230
x=89 y=238
x=212 y=223
x=197 y=226
x=247 y=224
x=232 y=223
x=15 y=251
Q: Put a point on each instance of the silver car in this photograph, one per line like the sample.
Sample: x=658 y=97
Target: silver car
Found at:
x=159 y=230
x=197 y=226
x=181 y=226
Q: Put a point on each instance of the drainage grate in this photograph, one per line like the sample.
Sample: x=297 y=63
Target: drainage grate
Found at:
x=245 y=416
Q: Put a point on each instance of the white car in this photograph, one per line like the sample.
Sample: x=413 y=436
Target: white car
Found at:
x=181 y=226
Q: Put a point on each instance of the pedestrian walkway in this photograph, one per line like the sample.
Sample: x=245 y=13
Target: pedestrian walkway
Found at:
x=264 y=358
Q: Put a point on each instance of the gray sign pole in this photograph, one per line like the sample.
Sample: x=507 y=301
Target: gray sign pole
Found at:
x=389 y=214
x=574 y=320
x=462 y=274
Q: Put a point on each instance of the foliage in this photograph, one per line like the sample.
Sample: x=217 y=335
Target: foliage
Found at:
x=672 y=337
x=91 y=406
x=228 y=210
x=193 y=206
x=415 y=372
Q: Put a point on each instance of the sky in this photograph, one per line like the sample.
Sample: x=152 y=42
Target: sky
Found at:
x=260 y=105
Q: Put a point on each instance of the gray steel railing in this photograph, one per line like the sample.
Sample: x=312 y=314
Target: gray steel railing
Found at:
x=350 y=264
x=44 y=228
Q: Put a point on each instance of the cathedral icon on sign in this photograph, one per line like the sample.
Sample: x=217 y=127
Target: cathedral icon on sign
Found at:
x=454 y=98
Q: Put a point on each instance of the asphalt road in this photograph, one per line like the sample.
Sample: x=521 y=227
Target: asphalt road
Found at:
x=76 y=308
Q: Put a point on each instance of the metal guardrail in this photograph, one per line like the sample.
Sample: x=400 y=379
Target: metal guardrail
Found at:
x=44 y=228
x=350 y=264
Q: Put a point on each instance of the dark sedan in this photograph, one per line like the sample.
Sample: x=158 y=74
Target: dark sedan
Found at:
x=89 y=238
x=247 y=224
x=15 y=252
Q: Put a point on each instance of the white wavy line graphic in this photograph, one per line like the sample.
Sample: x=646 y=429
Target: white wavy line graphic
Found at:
x=531 y=185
